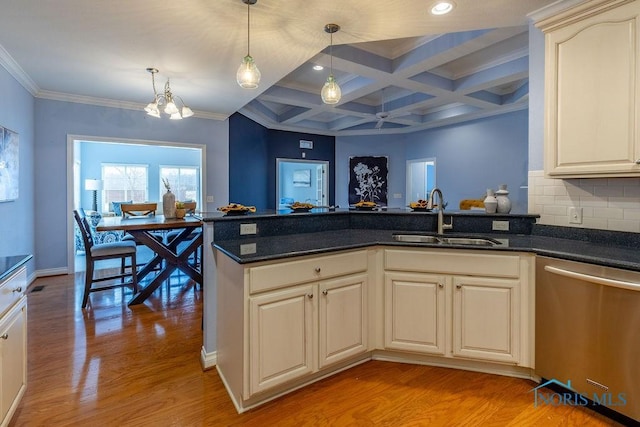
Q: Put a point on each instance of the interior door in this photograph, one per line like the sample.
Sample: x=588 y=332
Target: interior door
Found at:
x=301 y=181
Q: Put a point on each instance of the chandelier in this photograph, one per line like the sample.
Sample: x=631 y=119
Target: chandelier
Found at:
x=166 y=101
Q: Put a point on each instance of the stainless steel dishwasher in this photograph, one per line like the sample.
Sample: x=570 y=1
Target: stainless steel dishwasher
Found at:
x=588 y=330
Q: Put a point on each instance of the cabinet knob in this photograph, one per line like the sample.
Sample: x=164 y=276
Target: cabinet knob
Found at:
x=4 y=336
x=638 y=162
x=325 y=292
x=18 y=289
x=317 y=269
x=310 y=296
x=440 y=285
x=458 y=286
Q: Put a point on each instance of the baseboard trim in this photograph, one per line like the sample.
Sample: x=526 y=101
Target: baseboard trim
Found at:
x=208 y=360
x=51 y=272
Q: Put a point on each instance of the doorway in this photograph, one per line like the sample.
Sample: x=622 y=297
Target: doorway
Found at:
x=142 y=152
x=301 y=181
x=421 y=178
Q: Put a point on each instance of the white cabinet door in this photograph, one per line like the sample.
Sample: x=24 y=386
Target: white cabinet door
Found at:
x=343 y=318
x=592 y=92
x=415 y=313
x=13 y=360
x=281 y=336
x=486 y=317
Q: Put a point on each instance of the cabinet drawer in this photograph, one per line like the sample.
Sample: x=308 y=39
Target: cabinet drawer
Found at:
x=12 y=289
x=453 y=262
x=292 y=272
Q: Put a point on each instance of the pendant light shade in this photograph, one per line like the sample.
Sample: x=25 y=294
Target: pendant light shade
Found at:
x=331 y=92
x=248 y=75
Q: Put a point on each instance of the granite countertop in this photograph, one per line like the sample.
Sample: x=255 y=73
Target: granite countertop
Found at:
x=8 y=264
x=272 y=248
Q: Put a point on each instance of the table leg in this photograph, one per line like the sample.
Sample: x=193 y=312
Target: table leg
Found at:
x=173 y=260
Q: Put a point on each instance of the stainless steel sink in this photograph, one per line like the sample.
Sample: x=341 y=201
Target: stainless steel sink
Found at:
x=477 y=241
x=442 y=240
x=415 y=238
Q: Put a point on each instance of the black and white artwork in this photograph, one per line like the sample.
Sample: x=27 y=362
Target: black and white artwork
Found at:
x=368 y=179
x=8 y=165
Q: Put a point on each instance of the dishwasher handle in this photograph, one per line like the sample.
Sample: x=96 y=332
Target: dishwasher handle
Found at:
x=632 y=286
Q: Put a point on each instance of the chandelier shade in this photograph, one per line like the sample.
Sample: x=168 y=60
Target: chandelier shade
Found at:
x=248 y=75
x=331 y=92
x=165 y=101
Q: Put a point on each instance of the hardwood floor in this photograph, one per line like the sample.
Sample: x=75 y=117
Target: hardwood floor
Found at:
x=112 y=365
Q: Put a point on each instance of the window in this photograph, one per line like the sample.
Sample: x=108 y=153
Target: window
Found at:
x=183 y=180
x=123 y=182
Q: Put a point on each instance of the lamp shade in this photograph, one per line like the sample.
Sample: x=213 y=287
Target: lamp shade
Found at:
x=92 y=184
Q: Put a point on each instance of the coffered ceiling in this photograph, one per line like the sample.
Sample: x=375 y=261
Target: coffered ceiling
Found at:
x=393 y=59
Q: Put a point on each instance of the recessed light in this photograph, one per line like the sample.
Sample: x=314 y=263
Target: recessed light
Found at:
x=442 y=7
x=318 y=67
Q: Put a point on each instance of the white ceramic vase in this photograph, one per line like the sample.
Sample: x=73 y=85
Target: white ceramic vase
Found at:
x=502 y=196
x=490 y=202
x=169 y=205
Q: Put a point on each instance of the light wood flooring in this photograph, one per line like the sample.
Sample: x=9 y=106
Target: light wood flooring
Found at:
x=112 y=365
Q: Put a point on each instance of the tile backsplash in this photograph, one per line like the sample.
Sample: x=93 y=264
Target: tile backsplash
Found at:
x=606 y=203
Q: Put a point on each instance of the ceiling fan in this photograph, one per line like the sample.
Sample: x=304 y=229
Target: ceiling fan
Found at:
x=383 y=115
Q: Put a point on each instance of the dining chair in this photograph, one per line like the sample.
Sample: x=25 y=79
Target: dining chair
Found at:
x=104 y=251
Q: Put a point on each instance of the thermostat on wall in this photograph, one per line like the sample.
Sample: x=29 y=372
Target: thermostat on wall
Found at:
x=306 y=144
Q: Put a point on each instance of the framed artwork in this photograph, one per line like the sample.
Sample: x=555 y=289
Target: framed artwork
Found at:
x=9 y=145
x=368 y=179
x=302 y=178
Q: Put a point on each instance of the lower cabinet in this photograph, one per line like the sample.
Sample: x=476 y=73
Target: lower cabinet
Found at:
x=437 y=310
x=284 y=324
x=13 y=360
x=299 y=330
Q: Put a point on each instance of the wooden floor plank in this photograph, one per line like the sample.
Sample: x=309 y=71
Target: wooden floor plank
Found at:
x=112 y=365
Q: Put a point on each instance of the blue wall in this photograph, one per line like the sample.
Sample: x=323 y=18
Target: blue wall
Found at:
x=93 y=154
x=54 y=120
x=17 y=217
x=252 y=159
x=470 y=157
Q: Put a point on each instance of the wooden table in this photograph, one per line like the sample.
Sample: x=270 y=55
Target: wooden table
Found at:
x=140 y=228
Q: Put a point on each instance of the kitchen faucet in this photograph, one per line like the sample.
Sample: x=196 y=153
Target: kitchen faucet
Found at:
x=441 y=225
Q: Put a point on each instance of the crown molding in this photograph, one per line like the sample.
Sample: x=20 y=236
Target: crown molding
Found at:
x=16 y=71
x=112 y=103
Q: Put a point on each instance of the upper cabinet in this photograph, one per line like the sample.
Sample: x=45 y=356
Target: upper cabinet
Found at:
x=592 y=90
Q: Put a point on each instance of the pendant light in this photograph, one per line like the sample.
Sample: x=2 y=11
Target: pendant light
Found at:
x=248 y=75
x=331 y=92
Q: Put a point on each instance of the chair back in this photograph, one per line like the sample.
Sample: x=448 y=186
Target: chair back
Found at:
x=85 y=231
x=138 y=209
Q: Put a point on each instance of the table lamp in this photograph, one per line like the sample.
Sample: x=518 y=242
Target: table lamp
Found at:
x=93 y=185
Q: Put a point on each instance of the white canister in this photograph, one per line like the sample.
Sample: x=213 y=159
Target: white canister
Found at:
x=490 y=202
x=502 y=196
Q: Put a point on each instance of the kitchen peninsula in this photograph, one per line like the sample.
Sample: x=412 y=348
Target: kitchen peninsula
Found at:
x=311 y=294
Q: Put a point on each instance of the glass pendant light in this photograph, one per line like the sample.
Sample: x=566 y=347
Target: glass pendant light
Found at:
x=331 y=92
x=248 y=75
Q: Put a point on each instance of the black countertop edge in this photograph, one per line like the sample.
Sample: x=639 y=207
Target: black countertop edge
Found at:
x=290 y=246
x=9 y=264
x=219 y=216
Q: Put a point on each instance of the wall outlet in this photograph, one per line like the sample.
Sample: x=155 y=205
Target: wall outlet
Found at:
x=575 y=215
x=248 y=248
x=500 y=225
x=248 y=229
x=209 y=199
x=397 y=195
